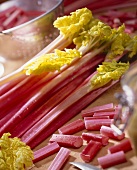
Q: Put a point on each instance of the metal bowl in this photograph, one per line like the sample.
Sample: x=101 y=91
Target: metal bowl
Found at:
x=26 y=40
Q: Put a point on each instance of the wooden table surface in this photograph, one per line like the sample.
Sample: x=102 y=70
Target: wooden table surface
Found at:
x=107 y=97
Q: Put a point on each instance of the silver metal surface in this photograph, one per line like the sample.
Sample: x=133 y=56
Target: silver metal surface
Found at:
x=84 y=166
x=26 y=40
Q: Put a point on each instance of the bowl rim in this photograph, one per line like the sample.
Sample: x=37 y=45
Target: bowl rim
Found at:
x=32 y=20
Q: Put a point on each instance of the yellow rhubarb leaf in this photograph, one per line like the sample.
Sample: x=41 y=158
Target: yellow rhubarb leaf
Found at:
x=71 y=25
x=14 y=154
x=94 y=37
x=108 y=71
x=52 y=62
x=119 y=43
x=132 y=47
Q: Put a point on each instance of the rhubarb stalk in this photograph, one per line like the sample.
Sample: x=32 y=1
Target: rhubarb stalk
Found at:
x=71 y=99
x=110 y=160
x=67 y=140
x=95 y=137
x=60 y=159
x=72 y=127
x=90 y=151
x=108 y=131
x=29 y=121
x=70 y=113
x=122 y=146
x=90 y=111
x=45 y=151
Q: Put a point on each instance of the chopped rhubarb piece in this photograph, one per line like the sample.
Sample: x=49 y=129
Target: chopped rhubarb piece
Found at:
x=96 y=137
x=110 y=160
x=46 y=151
x=95 y=124
x=72 y=127
x=90 y=111
x=60 y=159
x=67 y=140
x=122 y=146
x=90 y=151
x=7 y=11
x=10 y=21
x=108 y=131
x=111 y=114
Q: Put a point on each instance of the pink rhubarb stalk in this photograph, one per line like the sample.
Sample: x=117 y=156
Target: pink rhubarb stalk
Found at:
x=21 y=88
x=108 y=131
x=69 y=114
x=29 y=120
x=7 y=86
x=110 y=160
x=90 y=111
x=11 y=20
x=67 y=140
x=111 y=114
x=122 y=146
x=95 y=137
x=45 y=93
x=96 y=117
x=8 y=11
x=72 y=127
x=45 y=151
x=90 y=151
x=67 y=102
x=95 y=124
x=60 y=159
